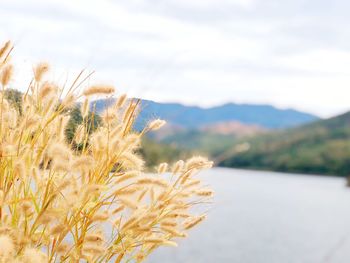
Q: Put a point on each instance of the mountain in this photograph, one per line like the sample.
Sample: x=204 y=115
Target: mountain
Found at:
x=233 y=127
x=193 y=117
x=322 y=147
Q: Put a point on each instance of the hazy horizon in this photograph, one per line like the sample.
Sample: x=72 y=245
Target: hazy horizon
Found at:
x=232 y=102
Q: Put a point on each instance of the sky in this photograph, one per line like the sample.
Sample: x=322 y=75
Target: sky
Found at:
x=288 y=53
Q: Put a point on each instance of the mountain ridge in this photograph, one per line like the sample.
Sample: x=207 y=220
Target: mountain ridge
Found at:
x=193 y=117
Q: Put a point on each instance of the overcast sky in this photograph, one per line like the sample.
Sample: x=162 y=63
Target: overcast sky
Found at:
x=289 y=53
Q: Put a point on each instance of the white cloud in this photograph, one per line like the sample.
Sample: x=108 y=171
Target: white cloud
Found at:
x=211 y=3
x=196 y=51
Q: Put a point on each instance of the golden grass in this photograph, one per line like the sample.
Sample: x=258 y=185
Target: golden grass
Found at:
x=57 y=202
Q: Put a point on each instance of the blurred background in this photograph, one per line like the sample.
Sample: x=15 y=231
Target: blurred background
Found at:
x=256 y=85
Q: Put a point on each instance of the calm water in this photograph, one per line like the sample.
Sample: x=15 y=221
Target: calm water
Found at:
x=269 y=217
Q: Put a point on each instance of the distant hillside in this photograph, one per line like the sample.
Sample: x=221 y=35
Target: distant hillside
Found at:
x=322 y=147
x=233 y=127
x=192 y=117
x=210 y=139
x=207 y=143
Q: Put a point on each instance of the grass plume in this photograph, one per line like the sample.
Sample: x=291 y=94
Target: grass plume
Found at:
x=58 y=197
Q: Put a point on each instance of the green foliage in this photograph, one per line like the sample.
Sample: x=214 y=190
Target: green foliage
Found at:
x=76 y=119
x=155 y=153
x=14 y=97
x=322 y=148
x=200 y=141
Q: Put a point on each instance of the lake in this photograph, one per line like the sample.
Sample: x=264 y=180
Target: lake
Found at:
x=268 y=217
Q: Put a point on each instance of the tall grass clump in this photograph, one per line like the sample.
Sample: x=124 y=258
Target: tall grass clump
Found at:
x=85 y=199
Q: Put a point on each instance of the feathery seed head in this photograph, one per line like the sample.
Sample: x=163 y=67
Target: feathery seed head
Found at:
x=4 y=49
x=85 y=108
x=60 y=151
x=47 y=89
x=162 y=168
x=83 y=163
x=100 y=216
x=57 y=230
x=6 y=75
x=127 y=176
x=193 y=222
x=69 y=101
x=198 y=162
x=156 y=124
x=128 y=202
x=79 y=135
x=40 y=70
x=204 y=192
x=121 y=101
x=178 y=166
x=94 y=238
x=99 y=90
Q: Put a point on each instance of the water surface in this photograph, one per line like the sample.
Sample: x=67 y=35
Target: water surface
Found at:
x=269 y=217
